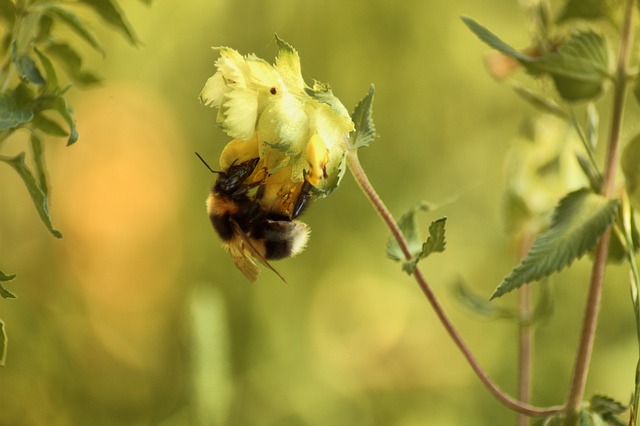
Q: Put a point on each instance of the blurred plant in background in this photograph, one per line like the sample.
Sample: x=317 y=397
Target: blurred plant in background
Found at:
x=33 y=98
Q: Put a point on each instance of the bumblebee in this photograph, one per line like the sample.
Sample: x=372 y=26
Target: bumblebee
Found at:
x=254 y=215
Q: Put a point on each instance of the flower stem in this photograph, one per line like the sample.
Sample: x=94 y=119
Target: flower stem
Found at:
x=525 y=333
x=361 y=178
x=592 y=309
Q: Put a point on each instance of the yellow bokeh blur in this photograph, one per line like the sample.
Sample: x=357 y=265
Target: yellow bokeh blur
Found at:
x=138 y=316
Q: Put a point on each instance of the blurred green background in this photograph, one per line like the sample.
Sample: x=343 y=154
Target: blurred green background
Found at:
x=138 y=315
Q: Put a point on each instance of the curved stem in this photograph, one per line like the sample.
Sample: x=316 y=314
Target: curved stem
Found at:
x=361 y=178
x=592 y=309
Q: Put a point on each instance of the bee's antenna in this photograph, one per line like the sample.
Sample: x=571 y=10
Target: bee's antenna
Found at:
x=205 y=163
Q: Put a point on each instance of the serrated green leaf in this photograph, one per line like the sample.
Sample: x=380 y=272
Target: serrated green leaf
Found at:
x=75 y=24
x=630 y=163
x=434 y=244
x=3 y=344
x=71 y=62
x=37 y=194
x=607 y=408
x=11 y=114
x=493 y=40
x=362 y=117
x=409 y=227
x=26 y=67
x=37 y=149
x=540 y=102
x=8 y=11
x=110 y=12
x=579 y=220
x=588 y=10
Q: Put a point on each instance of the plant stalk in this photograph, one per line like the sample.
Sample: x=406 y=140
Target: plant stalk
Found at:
x=592 y=308
x=525 y=334
x=365 y=185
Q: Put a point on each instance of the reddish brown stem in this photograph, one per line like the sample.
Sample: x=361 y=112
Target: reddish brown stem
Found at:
x=361 y=178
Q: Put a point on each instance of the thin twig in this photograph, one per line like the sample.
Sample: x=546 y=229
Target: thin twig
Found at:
x=592 y=308
x=361 y=178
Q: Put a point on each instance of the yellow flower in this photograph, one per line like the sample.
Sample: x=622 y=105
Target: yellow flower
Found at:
x=297 y=131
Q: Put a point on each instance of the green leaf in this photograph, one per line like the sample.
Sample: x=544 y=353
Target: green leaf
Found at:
x=111 y=14
x=479 y=305
x=590 y=171
x=3 y=344
x=607 y=408
x=436 y=241
x=11 y=114
x=4 y=293
x=37 y=194
x=434 y=244
x=492 y=40
x=26 y=67
x=75 y=24
x=362 y=117
x=60 y=105
x=51 y=84
x=579 y=220
x=588 y=10
x=630 y=163
x=71 y=61
x=37 y=148
x=579 y=68
x=47 y=125
x=8 y=11
x=540 y=102
x=409 y=228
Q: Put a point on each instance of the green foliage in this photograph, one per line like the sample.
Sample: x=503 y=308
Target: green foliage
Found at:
x=579 y=67
x=36 y=192
x=31 y=95
x=607 y=408
x=579 y=220
x=362 y=117
x=418 y=249
x=35 y=101
x=4 y=293
x=111 y=13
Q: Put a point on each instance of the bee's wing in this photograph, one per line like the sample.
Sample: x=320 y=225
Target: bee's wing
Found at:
x=244 y=262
